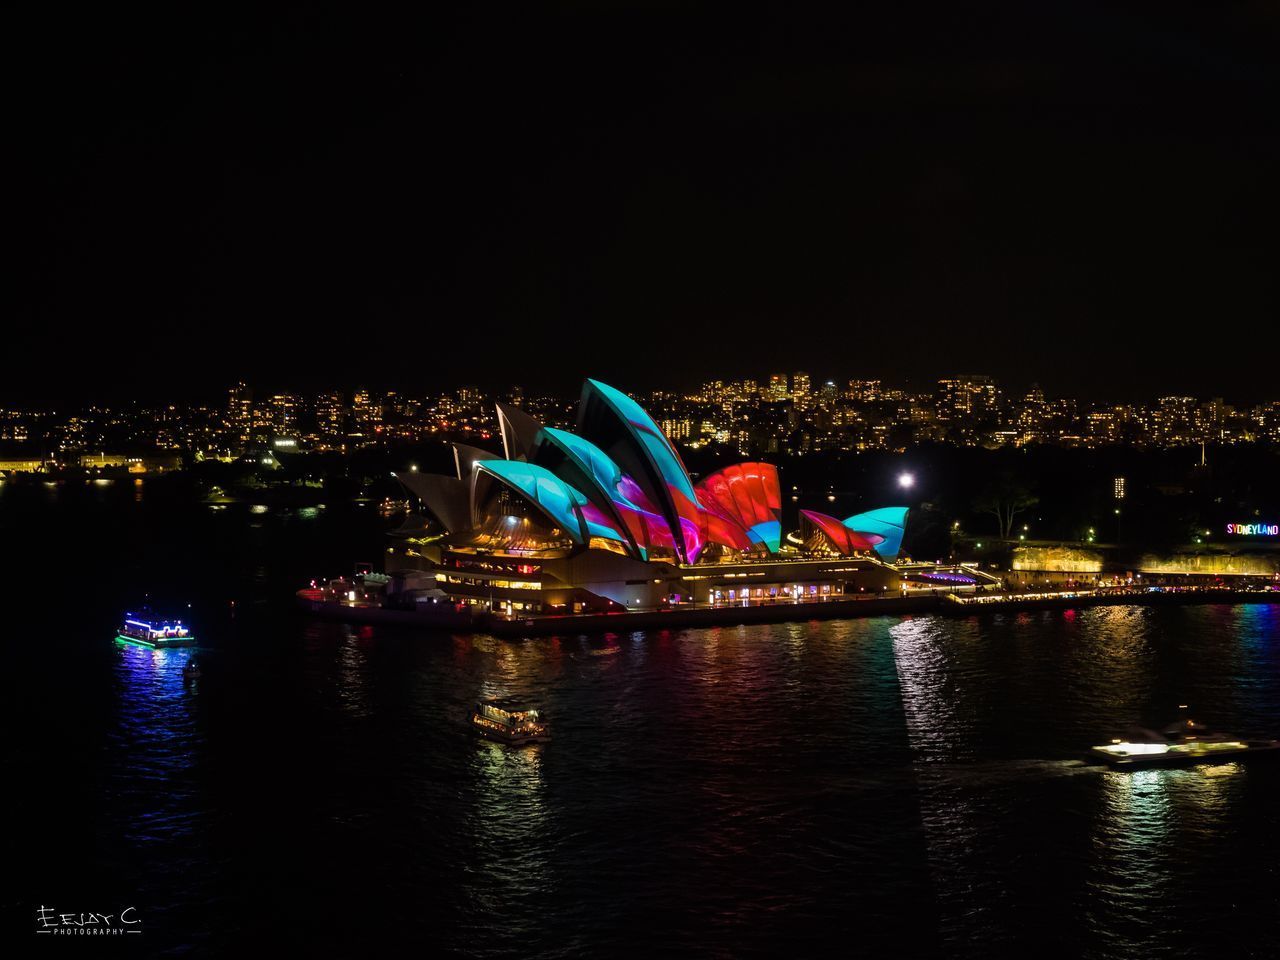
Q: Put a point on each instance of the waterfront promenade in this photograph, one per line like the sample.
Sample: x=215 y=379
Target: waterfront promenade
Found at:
x=479 y=620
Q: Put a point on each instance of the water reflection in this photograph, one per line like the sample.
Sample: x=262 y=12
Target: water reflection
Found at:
x=1136 y=810
x=936 y=716
x=354 y=676
x=508 y=826
x=155 y=739
x=1153 y=831
x=745 y=785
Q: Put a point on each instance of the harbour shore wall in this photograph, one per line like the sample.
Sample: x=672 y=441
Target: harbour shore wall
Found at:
x=467 y=621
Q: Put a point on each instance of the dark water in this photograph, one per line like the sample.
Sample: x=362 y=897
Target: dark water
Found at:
x=878 y=787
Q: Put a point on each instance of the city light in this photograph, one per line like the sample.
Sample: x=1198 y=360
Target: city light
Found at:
x=970 y=410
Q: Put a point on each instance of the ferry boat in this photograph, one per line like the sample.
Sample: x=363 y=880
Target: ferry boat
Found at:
x=508 y=721
x=150 y=631
x=1181 y=744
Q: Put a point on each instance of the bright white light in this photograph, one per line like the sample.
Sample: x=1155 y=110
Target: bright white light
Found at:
x=906 y=480
x=1135 y=749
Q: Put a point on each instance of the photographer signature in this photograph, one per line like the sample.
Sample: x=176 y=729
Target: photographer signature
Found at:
x=49 y=920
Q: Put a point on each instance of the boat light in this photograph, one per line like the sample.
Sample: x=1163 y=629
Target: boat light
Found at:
x=1139 y=749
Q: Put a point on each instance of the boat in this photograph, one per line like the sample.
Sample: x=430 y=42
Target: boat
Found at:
x=508 y=721
x=191 y=671
x=146 y=630
x=1182 y=744
x=602 y=652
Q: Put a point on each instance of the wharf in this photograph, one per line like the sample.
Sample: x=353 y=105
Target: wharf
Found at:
x=475 y=620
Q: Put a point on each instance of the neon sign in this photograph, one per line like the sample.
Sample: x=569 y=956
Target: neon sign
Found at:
x=1254 y=529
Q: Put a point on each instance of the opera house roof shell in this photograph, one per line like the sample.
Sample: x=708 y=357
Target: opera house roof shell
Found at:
x=619 y=484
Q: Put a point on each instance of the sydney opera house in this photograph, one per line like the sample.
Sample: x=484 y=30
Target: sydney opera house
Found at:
x=608 y=518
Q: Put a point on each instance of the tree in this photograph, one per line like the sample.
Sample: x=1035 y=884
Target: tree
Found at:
x=1004 y=497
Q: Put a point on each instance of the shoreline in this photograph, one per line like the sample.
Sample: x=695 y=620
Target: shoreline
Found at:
x=677 y=618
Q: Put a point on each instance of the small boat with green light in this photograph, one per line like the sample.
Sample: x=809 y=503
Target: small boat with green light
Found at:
x=146 y=630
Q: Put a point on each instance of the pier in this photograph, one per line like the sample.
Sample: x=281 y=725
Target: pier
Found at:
x=476 y=619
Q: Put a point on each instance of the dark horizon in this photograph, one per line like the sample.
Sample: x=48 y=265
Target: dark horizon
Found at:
x=1077 y=195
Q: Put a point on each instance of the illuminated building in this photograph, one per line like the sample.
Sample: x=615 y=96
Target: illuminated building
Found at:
x=240 y=411
x=1174 y=420
x=967 y=395
x=132 y=463
x=867 y=391
x=607 y=517
x=330 y=416
x=10 y=465
x=366 y=412
x=677 y=429
x=283 y=413
x=799 y=385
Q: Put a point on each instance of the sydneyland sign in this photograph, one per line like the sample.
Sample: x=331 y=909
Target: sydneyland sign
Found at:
x=1254 y=529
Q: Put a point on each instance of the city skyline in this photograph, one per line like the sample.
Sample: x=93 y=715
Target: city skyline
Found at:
x=786 y=413
x=272 y=383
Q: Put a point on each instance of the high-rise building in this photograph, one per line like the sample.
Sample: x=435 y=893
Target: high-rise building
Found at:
x=240 y=411
x=366 y=411
x=1173 y=421
x=778 y=386
x=799 y=385
x=331 y=415
x=867 y=391
x=283 y=413
x=967 y=395
x=677 y=429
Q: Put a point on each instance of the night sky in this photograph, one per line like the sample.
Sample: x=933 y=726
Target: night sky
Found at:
x=1082 y=194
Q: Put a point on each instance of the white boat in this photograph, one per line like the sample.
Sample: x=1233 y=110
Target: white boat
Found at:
x=508 y=721
x=1181 y=744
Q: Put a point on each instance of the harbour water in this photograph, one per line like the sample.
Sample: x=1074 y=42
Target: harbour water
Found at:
x=881 y=787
